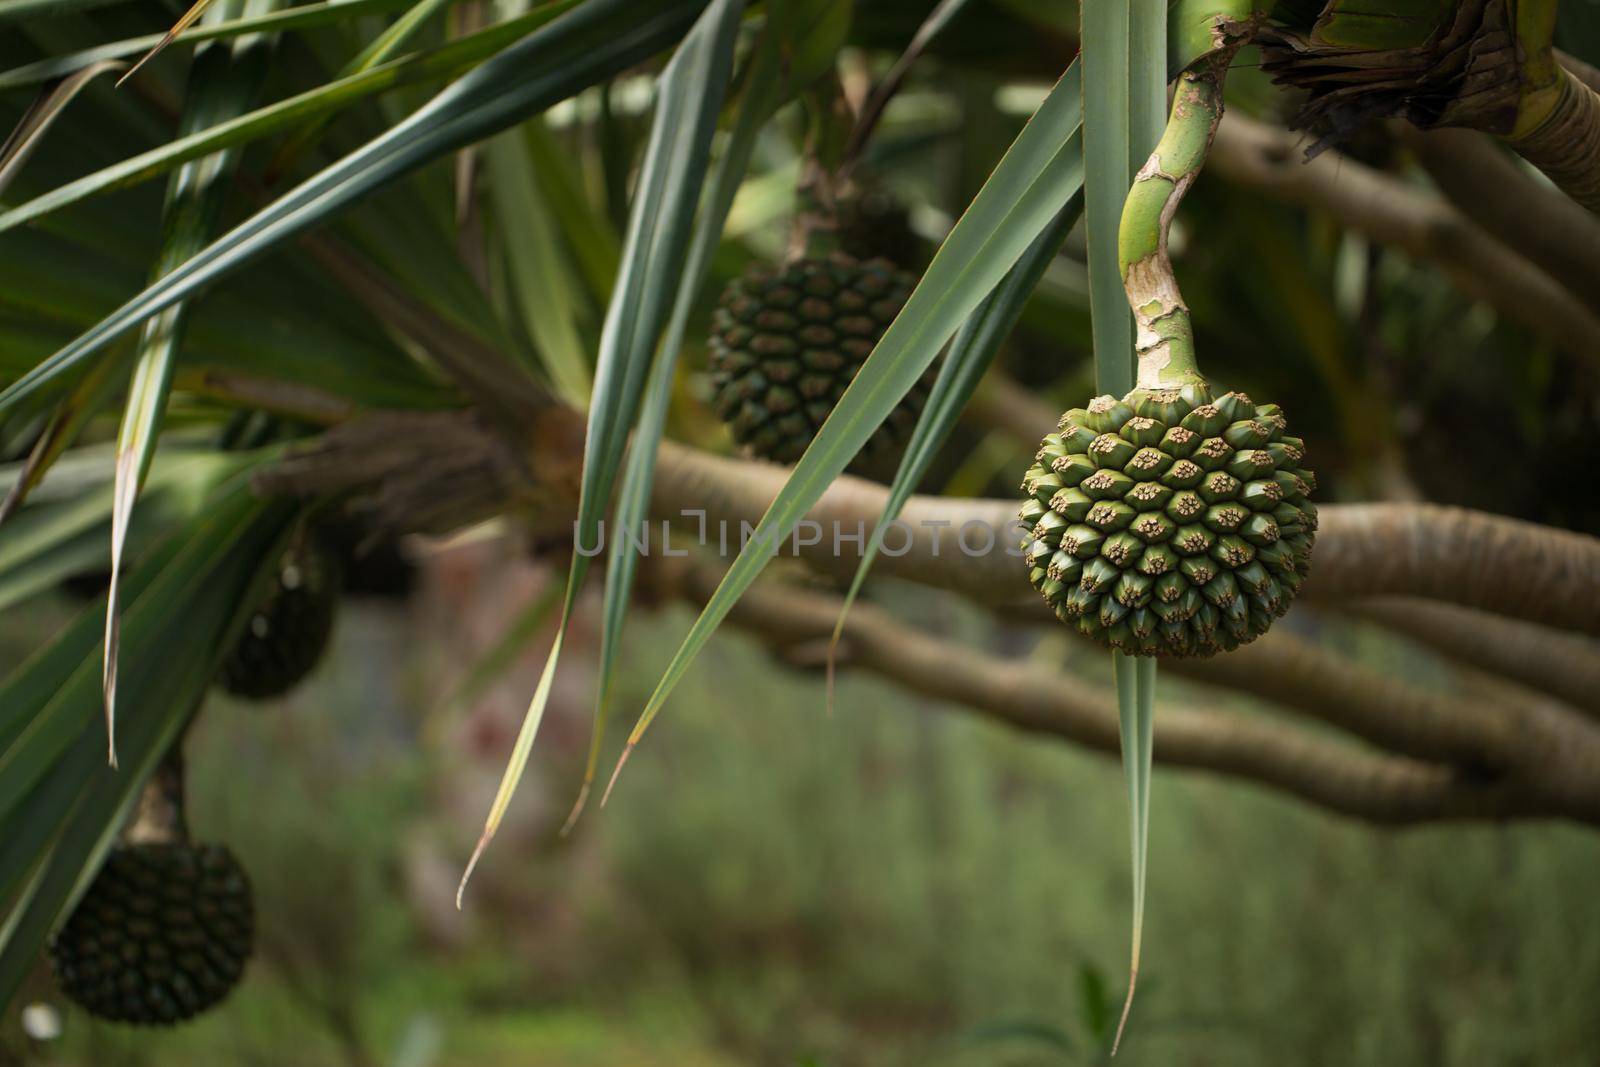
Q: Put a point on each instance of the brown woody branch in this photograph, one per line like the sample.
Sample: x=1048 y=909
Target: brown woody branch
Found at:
x=1343 y=778
x=1506 y=566
x=1387 y=210
x=1487 y=185
x=1495 y=733
x=1510 y=567
x=1564 y=665
x=1584 y=72
x=1566 y=142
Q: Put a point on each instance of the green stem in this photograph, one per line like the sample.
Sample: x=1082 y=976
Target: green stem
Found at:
x=1164 y=336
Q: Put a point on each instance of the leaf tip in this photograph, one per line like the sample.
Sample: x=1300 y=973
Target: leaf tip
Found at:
x=477 y=854
x=615 y=774
x=833 y=645
x=1127 y=1006
x=577 y=808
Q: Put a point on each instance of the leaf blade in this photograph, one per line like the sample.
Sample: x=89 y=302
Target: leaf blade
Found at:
x=570 y=52
x=223 y=81
x=761 y=97
x=971 y=353
x=688 y=99
x=1026 y=189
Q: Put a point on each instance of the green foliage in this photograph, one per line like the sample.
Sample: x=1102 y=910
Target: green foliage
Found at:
x=400 y=249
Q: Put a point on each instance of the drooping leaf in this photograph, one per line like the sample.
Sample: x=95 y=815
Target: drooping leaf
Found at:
x=1036 y=177
x=224 y=81
x=76 y=408
x=441 y=62
x=187 y=19
x=971 y=353
x=761 y=96
x=1141 y=54
x=689 y=97
x=574 y=50
x=304 y=16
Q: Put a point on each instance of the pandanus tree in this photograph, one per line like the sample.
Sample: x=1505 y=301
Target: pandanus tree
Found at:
x=428 y=264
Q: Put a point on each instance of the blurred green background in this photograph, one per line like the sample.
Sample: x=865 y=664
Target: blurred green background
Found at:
x=901 y=884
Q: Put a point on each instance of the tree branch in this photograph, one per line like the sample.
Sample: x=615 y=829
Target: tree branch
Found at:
x=1342 y=778
x=1513 y=568
x=1389 y=211
x=1564 y=665
x=1565 y=143
x=1555 y=752
x=1489 y=188
x=1510 y=567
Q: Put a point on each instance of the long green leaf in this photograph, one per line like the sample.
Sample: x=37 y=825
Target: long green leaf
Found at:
x=1036 y=177
x=224 y=81
x=294 y=18
x=971 y=353
x=689 y=97
x=439 y=63
x=1144 y=54
x=380 y=49
x=575 y=50
x=761 y=96
x=91 y=393
x=542 y=285
x=1135 y=678
x=37 y=733
x=63 y=529
x=1107 y=152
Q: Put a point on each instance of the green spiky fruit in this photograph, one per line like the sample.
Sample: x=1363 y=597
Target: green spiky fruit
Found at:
x=1168 y=523
x=786 y=342
x=162 y=934
x=287 y=633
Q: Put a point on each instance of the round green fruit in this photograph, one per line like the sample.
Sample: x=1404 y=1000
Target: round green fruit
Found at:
x=787 y=341
x=1169 y=523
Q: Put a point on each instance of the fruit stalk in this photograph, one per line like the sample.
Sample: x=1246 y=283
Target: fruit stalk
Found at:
x=1164 y=337
x=159 y=817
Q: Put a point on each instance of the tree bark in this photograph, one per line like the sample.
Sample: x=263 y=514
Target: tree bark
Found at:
x=441 y=470
x=1343 y=778
x=1391 y=212
x=1488 y=187
x=1566 y=666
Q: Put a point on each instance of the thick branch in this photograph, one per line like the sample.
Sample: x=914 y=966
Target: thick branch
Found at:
x=1576 y=67
x=1565 y=143
x=1389 y=211
x=1567 y=666
x=1488 y=186
x=1512 y=568
x=1551 y=750
x=1001 y=405
x=1352 y=781
x=1466 y=557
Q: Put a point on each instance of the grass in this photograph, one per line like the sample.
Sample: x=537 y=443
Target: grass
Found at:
x=889 y=887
